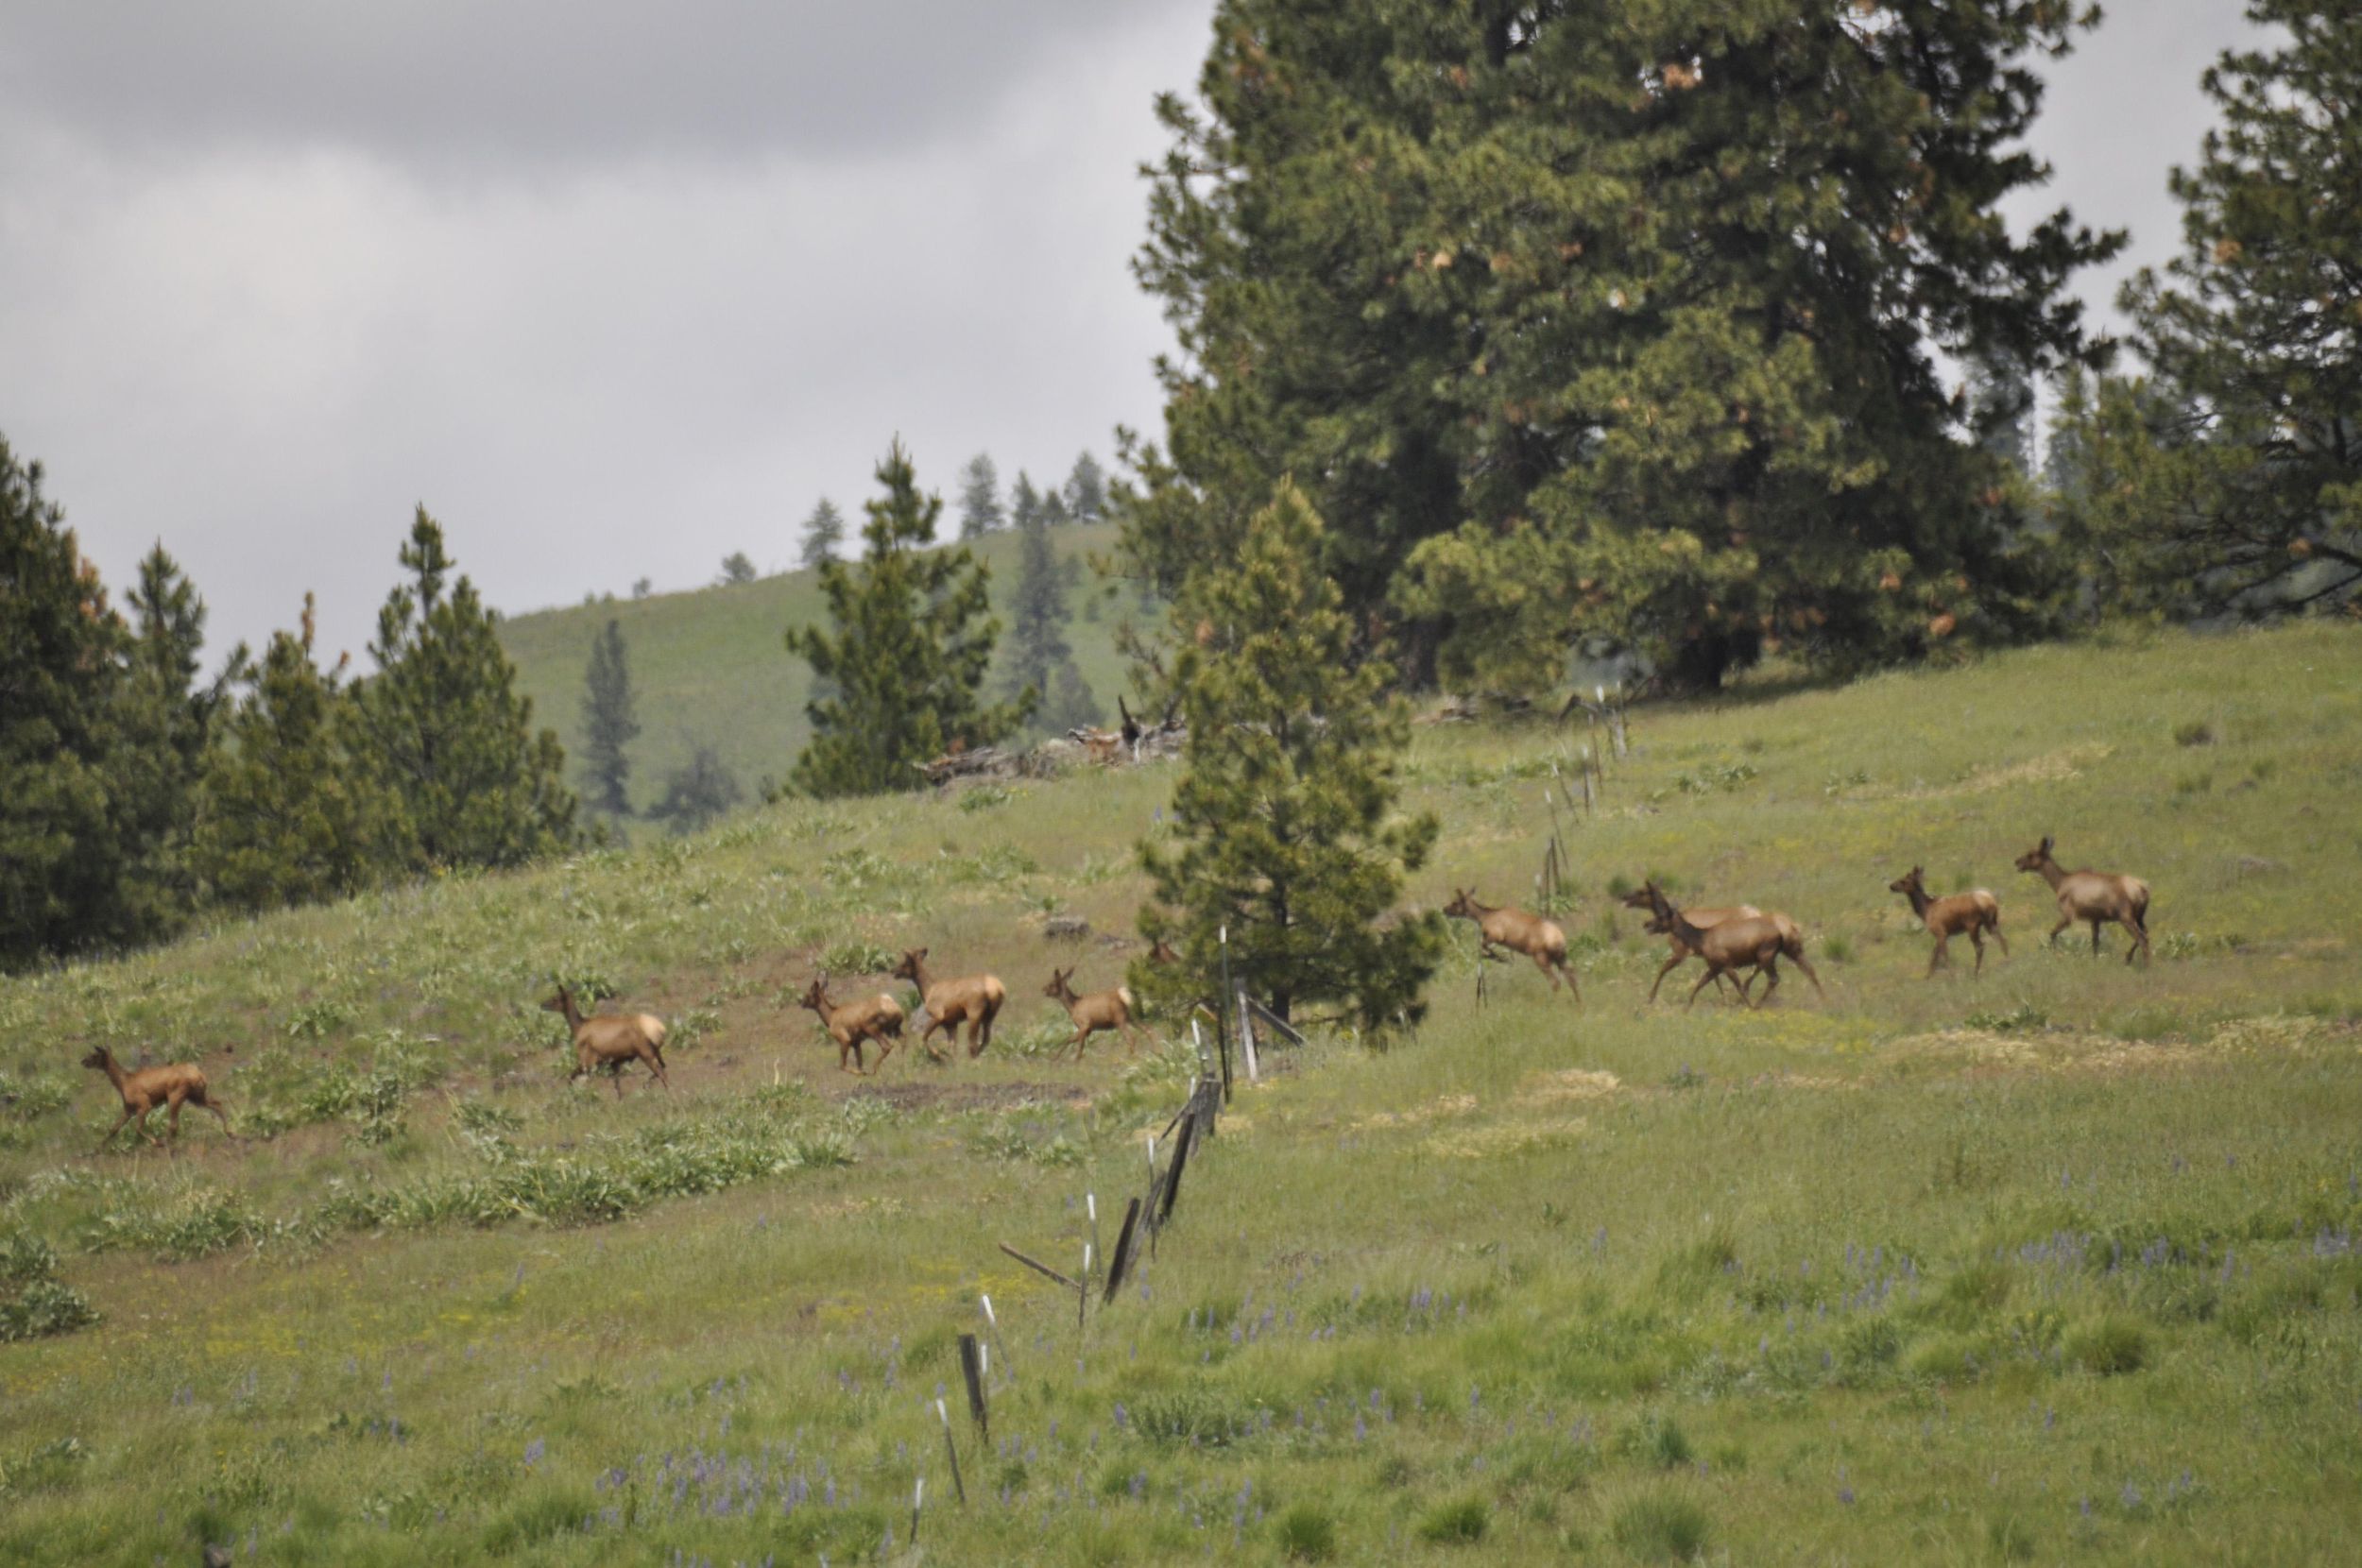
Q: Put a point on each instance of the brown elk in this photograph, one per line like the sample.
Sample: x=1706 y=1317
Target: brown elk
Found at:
x=2097 y=897
x=1976 y=912
x=610 y=1040
x=1094 y=1011
x=971 y=999
x=175 y=1085
x=1750 y=942
x=1163 y=952
x=1518 y=930
x=876 y=1021
x=1682 y=952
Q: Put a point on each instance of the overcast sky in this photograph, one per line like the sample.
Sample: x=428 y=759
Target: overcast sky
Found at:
x=618 y=289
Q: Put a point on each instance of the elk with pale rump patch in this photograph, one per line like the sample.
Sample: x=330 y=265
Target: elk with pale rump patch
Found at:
x=174 y=1085
x=1682 y=952
x=1975 y=912
x=1520 y=931
x=1094 y=1011
x=971 y=999
x=610 y=1040
x=876 y=1020
x=1750 y=942
x=2097 y=897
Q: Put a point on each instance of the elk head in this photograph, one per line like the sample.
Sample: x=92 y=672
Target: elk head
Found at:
x=1461 y=906
x=2032 y=859
x=816 y=994
x=1058 y=987
x=1908 y=884
x=97 y=1057
x=908 y=968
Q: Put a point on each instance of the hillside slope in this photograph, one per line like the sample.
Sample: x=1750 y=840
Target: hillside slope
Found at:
x=2056 y=1262
x=708 y=665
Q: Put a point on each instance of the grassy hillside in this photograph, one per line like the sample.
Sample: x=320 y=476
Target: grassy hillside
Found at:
x=708 y=665
x=2057 y=1264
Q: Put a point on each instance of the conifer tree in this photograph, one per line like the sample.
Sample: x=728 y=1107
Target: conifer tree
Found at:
x=1585 y=332
x=2246 y=450
x=1024 y=500
x=1087 y=491
x=167 y=721
x=443 y=726
x=609 y=722
x=2001 y=412
x=823 y=531
x=701 y=791
x=287 y=812
x=738 y=569
x=1286 y=830
x=909 y=642
x=1036 y=655
x=63 y=815
x=980 y=499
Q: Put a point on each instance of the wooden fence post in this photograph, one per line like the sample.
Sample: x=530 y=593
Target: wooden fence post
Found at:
x=951 y=1449
x=1246 y=1038
x=972 y=1369
x=1120 y=1264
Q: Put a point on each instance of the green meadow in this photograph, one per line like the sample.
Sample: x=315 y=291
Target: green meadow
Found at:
x=2055 y=1265
x=709 y=666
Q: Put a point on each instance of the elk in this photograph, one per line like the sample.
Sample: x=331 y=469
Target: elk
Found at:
x=1702 y=918
x=1976 y=912
x=972 y=999
x=175 y=1085
x=877 y=1021
x=1163 y=952
x=1518 y=930
x=1750 y=942
x=2096 y=897
x=612 y=1039
x=1094 y=1011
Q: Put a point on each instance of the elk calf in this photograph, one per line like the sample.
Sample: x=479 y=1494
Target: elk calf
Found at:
x=175 y=1085
x=1097 y=1010
x=612 y=1039
x=1682 y=952
x=2097 y=897
x=1520 y=931
x=877 y=1021
x=971 y=999
x=1976 y=912
x=1750 y=942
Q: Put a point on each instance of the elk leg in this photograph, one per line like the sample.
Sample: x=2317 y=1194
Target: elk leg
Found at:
x=227 y=1131
x=1771 y=974
x=1977 y=940
x=2140 y=939
x=1935 y=959
x=1711 y=972
x=1995 y=929
x=172 y=1113
x=2052 y=940
x=1573 y=990
x=128 y=1115
x=1670 y=964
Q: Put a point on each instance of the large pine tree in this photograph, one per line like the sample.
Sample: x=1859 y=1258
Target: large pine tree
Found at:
x=444 y=726
x=823 y=531
x=1610 y=322
x=980 y=511
x=288 y=812
x=909 y=643
x=63 y=816
x=609 y=722
x=1087 y=490
x=2243 y=489
x=1035 y=656
x=1286 y=830
x=168 y=718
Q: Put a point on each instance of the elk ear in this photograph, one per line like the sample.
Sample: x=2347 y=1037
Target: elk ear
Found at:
x=2047 y=841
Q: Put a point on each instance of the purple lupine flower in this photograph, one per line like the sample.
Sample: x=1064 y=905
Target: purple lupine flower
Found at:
x=533 y=1450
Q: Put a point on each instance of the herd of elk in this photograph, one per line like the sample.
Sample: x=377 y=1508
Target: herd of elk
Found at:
x=1094 y=1011
x=144 y=1088
x=1975 y=912
x=971 y=999
x=875 y=1021
x=2096 y=897
x=1520 y=931
x=612 y=1039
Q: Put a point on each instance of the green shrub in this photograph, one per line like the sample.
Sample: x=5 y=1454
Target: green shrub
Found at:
x=2196 y=732
x=2109 y=1346
x=1660 y=1526
x=1657 y=1440
x=1306 y=1534
x=1836 y=949
x=1458 y=1523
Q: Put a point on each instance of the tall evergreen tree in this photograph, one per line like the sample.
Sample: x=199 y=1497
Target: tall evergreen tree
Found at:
x=980 y=499
x=1588 y=329
x=2001 y=412
x=442 y=724
x=288 y=812
x=738 y=569
x=609 y=722
x=1024 y=501
x=911 y=644
x=1286 y=830
x=701 y=791
x=63 y=815
x=168 y=724
x=1037 y=656
x=2249 y=442
x=823 y=531
x=1087 y=490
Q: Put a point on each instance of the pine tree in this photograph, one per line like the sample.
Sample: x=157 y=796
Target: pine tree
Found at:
x=1587 y=332
x=609 y=724
x=911 y=644
x=823 y=531
x=1024 y=501
x=443 y=726
x=289 y=812
x=2247 y=449
x=980 y=499
x=62 y=814
x=1087 y=491
x=1286 y=830
x=168 y=719
x=2001 y=412
x=700 y=792
x=738 y=569
x=1037 y=656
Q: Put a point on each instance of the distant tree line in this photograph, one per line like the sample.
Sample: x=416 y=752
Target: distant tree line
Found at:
x=135 y=795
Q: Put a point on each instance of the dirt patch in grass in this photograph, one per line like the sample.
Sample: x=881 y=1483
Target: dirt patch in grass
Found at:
x=972 y=1097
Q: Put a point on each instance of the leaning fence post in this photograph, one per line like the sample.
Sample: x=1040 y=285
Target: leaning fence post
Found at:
x=1246 y=1039
x=953 y=1449
x=1229 y=994
x=1120 y=1264
x=1008 y=1368
x=973 y=1369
